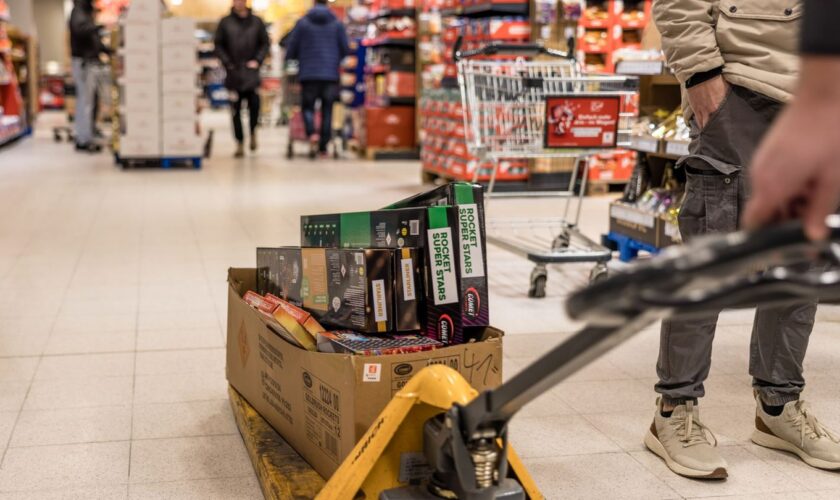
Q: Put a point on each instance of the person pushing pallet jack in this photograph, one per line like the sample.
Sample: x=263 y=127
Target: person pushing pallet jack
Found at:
x=463 y=434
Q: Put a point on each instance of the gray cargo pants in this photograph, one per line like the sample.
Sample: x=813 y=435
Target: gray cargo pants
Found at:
x=716 y=190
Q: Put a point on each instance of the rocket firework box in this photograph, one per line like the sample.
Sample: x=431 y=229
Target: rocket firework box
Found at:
x=433 y=230
x=470 y=242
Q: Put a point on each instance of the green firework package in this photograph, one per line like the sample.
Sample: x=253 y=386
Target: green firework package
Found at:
x=468 y=199
x=434 y=231
x=367 y=290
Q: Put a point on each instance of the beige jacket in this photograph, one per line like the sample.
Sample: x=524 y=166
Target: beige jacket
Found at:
x=756 y=41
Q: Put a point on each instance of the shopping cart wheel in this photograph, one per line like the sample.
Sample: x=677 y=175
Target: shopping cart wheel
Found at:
x=563 y=240
x=598 y=273
x=539 y=277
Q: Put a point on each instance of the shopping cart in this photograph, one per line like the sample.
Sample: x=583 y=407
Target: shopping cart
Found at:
x=542 y=108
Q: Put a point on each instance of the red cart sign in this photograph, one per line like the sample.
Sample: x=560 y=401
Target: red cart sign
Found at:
x=581 y=121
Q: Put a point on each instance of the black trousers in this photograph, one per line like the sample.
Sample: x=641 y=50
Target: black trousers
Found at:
x=253 y=100
x=327 y=93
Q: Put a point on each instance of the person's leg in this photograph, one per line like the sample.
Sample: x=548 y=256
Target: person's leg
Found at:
x=308 y=97
x=253 y=116
x=329 y=95
x=236 y=114
x=84 y=102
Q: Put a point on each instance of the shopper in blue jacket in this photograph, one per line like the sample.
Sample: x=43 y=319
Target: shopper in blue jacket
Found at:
x=318 y=42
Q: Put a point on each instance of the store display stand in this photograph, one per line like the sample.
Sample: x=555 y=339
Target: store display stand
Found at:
x=18 y=70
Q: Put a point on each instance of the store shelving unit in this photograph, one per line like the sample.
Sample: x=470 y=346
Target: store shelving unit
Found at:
x=607 y=26
x=18 y=82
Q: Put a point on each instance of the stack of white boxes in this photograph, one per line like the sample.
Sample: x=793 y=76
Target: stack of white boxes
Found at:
x=140 y=84
x=179 y=77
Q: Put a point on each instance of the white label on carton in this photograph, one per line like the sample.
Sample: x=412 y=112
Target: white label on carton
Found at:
x=444 y=282
x=408 y=280
x=380 y=312
x=472 y=258
x=372 y=372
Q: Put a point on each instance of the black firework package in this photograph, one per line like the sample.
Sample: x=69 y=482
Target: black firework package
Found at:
x=470 y=231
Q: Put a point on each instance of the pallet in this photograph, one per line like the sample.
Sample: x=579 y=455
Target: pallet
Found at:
x=374 y=154
x=282 y=473
x=628 y=248
x=163 y=162
x=599 y=188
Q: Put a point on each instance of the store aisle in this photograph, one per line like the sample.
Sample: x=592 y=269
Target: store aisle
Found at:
x=112 y=318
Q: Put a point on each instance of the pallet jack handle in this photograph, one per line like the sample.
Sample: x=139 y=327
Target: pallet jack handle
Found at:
x=773 y=266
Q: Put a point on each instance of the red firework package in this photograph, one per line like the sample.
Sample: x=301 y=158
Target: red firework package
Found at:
x=581 y=121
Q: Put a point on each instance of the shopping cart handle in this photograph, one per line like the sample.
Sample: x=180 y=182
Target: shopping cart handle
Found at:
x=506 y=49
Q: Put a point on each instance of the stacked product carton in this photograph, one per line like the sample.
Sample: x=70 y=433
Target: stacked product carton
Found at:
x=159 y=87
x=140 y=84
x=179 y=66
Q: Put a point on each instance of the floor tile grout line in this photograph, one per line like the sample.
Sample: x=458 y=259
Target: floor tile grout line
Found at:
x=111 y=441
x=78 y=259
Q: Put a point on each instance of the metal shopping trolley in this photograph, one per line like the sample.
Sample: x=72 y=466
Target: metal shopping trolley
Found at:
x=542 y=108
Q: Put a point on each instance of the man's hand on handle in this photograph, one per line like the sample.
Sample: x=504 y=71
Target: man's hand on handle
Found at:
x=796 y=171
x=252 y=64
x=706 y=98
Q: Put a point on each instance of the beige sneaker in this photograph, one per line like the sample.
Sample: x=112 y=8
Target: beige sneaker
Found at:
x=240 y=151
x=685 y=444
x=797 y=430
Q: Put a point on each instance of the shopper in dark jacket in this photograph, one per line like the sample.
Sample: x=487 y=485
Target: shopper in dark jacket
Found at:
x=85 y=48
x=319 y=43
x=241 y=45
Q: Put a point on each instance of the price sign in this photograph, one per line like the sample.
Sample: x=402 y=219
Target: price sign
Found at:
x=581 y=121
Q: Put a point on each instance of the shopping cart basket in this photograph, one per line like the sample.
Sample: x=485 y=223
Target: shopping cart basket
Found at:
x=517 y=108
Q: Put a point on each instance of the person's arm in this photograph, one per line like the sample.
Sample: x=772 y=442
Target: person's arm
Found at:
x=688 y=41
x=293 y=44
x=795 y=173
x=262 y=44
x=343 y=43
x=82 y=24
x=220 y=43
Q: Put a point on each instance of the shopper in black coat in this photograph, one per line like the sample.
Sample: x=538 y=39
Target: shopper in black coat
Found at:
x=242 y=45
x=85 y=48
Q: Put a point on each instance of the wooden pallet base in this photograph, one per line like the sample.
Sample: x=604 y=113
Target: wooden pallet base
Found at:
x=392 y=153
x=282 y=473
x=596 y=188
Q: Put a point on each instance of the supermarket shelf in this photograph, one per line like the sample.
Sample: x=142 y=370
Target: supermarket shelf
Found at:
x=390 y=42
x=386 y=13
x=13 y=134
x=392 y=153
x=489 y=9
x=387 y=68
x=385 y=101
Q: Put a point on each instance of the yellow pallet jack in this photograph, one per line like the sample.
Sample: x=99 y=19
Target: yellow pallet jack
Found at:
x=463 y=434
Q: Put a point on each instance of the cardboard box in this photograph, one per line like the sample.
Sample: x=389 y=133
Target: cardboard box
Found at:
x=180 y=107
x=179 y=58
x=321 y=403
x=144 y=12
x=434 y=231
x=140 y=37
x=179 y=81
x=668 y=232
x=366 y=290
x=141 y=97
x=182 y=147
x=139 y=147
x=390 y=127
x=470 y=243
x=141 y=66
x=634 y=222
x=142 y=123
x=178 y=31
x=179 y=129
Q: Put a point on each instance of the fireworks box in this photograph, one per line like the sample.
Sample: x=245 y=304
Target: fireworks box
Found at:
x=321 y=403
x=470 y=242
x=367 y=290
x=433 y=230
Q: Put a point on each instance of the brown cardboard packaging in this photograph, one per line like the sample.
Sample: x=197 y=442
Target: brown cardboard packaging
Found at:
x=323 y=403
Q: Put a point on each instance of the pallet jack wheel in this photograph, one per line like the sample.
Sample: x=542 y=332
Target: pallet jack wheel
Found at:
x=599 y=273
x=539 y=278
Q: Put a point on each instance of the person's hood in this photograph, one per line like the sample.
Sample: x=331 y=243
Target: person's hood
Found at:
x=237 y=16
x=320 y=14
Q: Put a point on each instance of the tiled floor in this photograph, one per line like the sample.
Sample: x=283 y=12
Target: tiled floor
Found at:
x=112 y=310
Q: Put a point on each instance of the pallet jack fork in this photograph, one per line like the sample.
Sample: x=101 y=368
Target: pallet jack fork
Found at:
x=463 y=434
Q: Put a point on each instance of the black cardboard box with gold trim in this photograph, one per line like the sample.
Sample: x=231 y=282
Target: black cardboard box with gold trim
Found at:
x=323 y=403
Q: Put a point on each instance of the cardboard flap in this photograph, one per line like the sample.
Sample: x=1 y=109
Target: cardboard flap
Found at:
x=242 y=279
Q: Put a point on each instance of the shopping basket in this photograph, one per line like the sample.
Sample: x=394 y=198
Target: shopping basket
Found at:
x=542 y=108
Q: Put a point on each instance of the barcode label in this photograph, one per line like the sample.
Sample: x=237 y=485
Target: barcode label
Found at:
x=360 y=258
x=331 y=443
x=414 y=227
